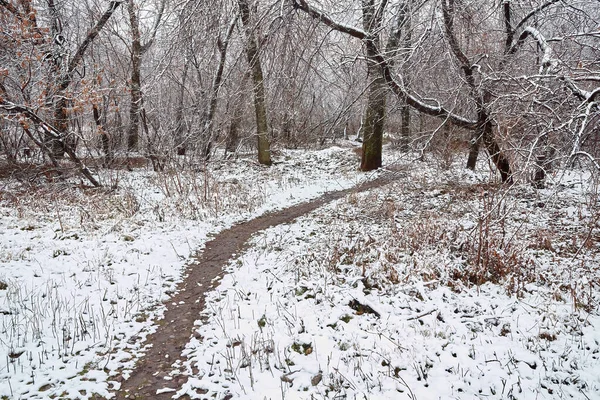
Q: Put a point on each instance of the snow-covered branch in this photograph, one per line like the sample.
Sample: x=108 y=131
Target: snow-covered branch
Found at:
x=533 y=13
x=584 y=95
x=578 y=137
x=321 y=16
x=548 y=63
x=65 y=81
x=587 y=155
x=384 y=63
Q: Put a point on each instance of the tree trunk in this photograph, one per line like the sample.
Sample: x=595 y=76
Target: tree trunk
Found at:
x=484 y=129
x=103 y=135
x=491 y=145
x=374 y=121
x=136 y=91
x=376 y=101
x=264 y=152
x=232 y=135
x=543 y=164
x=180 y=125
x=474 y=149
x=61 y=123
x=59 y=145
x=214 y=96
x=403 y=23
x=405 y=128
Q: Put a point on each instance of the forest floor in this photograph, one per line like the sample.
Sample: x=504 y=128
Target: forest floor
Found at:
x=434 y=285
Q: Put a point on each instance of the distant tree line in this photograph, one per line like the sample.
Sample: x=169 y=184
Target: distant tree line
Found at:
x=518 y=80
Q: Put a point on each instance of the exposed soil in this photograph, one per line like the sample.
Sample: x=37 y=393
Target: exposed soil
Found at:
x=184 y=308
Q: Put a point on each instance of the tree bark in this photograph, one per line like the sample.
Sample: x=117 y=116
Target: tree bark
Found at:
x=498 y=158
x=233 y=133
x=180 y=125
x=252 y=54
x=402 y=23
x=135 y=86
x=374 y=121
x=474 y=144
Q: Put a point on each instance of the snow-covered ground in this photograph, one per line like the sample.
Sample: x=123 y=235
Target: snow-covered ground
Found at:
x=438 y=286
x=84 y=272
x=434 y=287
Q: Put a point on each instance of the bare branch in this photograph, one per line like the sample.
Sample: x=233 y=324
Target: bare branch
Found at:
x=397 y=88
x=533 y=13
x=66 y=79
x=27 y=112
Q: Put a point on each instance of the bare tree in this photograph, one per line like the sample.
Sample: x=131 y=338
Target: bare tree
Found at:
x=481 y=98
x=137 y=51
x=253 y=56
x=222 y=45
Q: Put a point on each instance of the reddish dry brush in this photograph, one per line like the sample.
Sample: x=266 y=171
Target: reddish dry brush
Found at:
x=464 y=236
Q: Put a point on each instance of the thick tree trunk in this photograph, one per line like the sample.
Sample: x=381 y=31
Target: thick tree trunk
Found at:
x=402 y=24
x=376 y=102
x=262 y=130
x=61 y=123
x=374 y=121
x=484 y=133
x=491 y=145
x=232 y=136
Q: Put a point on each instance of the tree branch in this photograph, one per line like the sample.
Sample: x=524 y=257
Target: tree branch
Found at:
x=397 y=88
x=65 y=81
x=508 y=29
x=146 y=46
x=324 y=18
x=13 y=108
x=533 y=13
x=547 y=61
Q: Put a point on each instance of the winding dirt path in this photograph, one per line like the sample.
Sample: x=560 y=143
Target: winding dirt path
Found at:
x=177 y=326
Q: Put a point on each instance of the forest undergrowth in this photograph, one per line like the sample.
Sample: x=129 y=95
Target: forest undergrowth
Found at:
x=436 y=284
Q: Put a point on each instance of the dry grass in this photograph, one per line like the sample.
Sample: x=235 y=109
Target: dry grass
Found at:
x=463 y=236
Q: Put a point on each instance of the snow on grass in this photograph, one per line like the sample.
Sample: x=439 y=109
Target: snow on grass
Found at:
x=85 y=271
x=435 y=287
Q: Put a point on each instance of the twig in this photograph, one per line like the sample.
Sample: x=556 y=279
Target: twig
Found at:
x=422 y=315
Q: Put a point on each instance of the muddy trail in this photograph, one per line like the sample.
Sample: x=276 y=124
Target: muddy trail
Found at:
x=184 y=308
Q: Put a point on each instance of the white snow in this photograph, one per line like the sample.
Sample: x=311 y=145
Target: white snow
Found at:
x=87 y=271
x=282 y=315
x=373 y=296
